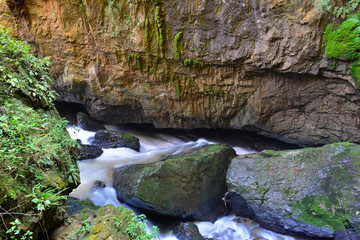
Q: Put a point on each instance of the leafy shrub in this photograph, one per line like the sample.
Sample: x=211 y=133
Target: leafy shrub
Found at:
x=24 y=72
x=137 y=229
x=36 y=153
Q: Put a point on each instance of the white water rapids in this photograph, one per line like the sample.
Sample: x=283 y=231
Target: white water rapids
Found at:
x=152 y=148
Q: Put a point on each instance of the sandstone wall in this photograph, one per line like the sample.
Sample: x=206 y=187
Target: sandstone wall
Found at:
x=242 y=64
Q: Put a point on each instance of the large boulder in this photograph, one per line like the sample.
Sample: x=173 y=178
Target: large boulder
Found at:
x=107 y=222
x=114 y=139
x=186 y=185
x=88 y=123
x=312 y=192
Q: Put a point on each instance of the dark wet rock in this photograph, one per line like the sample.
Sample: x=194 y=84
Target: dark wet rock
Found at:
x=89 y=152
x=75 y=205
x=113 y=139
x=310 y=193
x=88 y=123
x=187 y=231
x=186 y=185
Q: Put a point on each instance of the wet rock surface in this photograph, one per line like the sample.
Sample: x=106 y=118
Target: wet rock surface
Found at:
x=107 y=222
x=309 y=192
x=187 y=231
x=88 y=123
x=251 y=65
x=187 y=185
x=89 y=152
x=114 y=139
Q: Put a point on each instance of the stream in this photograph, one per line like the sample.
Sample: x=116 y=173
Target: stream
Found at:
x=155 y=145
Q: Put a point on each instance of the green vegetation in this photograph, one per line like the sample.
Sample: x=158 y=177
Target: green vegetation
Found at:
x=137 y=61
x=178 y=44
x=192 y=61
x=36 y=153
x=160 y=30
x=140 y=224
x=337 y=8
x=344 y=43
x=319 y=211
x=148 y=34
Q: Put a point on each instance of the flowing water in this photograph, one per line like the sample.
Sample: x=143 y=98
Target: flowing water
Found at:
x=154 y=146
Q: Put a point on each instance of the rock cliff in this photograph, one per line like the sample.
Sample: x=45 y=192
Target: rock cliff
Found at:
x=254 y=65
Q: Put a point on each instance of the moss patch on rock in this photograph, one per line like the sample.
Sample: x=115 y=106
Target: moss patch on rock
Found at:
x=319 y=211
x=344 y=43
x=107 y=222
x=314 y=189
x=186 y=185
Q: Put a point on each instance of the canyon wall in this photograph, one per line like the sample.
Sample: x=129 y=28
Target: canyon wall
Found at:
x=255 y=65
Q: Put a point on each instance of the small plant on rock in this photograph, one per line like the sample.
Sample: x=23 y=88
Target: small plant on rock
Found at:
x=137 y=229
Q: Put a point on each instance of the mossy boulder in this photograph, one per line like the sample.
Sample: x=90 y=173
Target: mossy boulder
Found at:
x=114 y=139
x=106 y=222
x=186 y=185
x=311 y=192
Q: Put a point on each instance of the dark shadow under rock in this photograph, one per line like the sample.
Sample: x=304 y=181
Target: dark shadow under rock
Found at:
x=88 y=123
x=113 y=139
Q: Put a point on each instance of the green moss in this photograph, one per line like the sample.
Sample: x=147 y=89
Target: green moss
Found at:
x=215 y=147
x=148 y=34
x=319 y=211
x=346 y=144
x=269 y=152
x=177 y=89
x=358 y=162
x=355 y=72
x=339 y=173
x=81 y=4
x=160 y=30
x=192 y=61
x=178 y=44
x=344 y=43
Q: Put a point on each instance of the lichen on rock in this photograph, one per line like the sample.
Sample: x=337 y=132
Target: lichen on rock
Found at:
x=107 y=222
x=310 y=192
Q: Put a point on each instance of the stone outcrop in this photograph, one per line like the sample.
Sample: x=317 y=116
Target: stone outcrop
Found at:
x=186 y=185
x=254 y=65
x=107 y=222
x=312 y=192
x=114 y=139
x=89 y=152
x=86 y=122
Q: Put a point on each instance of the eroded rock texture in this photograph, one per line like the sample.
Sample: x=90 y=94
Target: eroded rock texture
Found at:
x=309 y=192
x=255 y=65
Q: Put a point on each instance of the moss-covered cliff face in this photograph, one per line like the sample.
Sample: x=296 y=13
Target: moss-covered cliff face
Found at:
x=254 y=65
